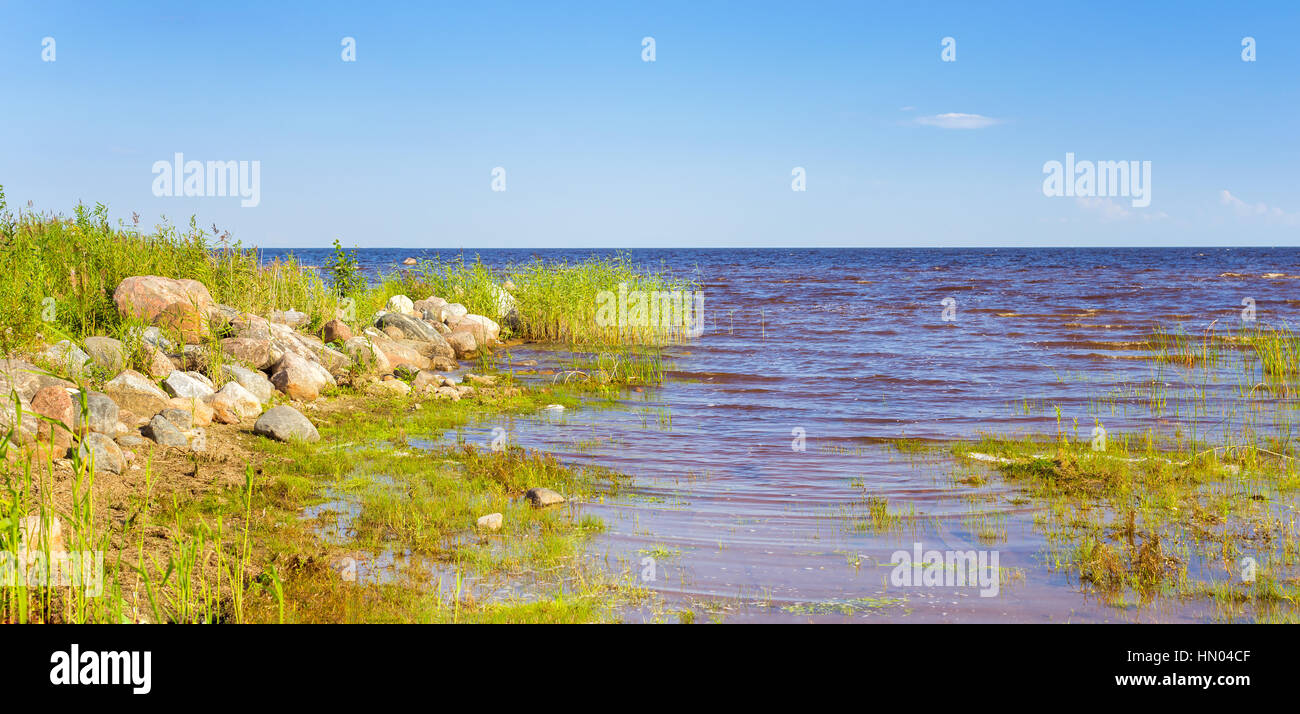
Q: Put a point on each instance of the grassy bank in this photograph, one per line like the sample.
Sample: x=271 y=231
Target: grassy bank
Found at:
x=254 y=535
x=59 y=273
x=249 y=531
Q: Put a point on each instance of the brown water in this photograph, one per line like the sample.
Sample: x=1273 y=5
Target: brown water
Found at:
x=852 y=348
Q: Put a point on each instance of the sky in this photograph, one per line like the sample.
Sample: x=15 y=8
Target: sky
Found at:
x=598 y=147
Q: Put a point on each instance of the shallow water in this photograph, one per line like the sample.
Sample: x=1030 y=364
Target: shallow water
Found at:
x=850 y=348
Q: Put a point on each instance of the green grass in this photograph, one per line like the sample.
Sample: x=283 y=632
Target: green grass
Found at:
x=246 y=554
x=58 y=274
x=557 y=301
x=615 y=368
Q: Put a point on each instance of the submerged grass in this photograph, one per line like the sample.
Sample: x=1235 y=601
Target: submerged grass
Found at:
x=245 y=554
x=1199 y=505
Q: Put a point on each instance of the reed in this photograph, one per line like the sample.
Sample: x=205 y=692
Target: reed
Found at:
x=58 y=274
x=555 y=301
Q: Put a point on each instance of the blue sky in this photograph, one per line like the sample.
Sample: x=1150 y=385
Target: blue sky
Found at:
x=602 y=149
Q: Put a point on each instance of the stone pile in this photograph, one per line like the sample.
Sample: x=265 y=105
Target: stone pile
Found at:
x=401 y=352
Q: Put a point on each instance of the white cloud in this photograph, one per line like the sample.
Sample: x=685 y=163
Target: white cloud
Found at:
x=1255 y=210
x=1112 y=210
x=957 y=120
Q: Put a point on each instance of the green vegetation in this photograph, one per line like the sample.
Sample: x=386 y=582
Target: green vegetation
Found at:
x=59 y=274
x=244 y=553
x=344 y=271
x=1199 y=506
x=556 y=301
x=854 y=606
x=615 y=368
x=234 y=545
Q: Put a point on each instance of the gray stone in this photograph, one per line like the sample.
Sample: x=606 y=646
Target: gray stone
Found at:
x=180 y=384
x=192 y=357
x=542 y=497
x=334 y=361
x=389 y=387
x=234 y=402
x=65 y=357
x=107 y=353
x=11 y=418
x=427 y=380
x=180 y=418
x=255 y=352
x=102 y=413
x=412 y=328
x=201 y=377
x=152 y=335
x=253 y=380
x=480 y=380
x=284 y=423
x=106 y=454
x=486 y=330
x=165 y=433
x=135 y=393
x=463 y=342
x=367 y=354
x=227 y=314
x=22 y=377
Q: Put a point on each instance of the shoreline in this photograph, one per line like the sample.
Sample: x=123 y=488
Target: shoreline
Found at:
x=182 y=424
x=171 y=383
x=174 y=508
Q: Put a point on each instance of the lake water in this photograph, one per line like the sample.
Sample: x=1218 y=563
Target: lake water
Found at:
x=753 y=463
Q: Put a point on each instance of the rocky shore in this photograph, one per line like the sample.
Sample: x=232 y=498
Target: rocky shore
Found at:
x=199 y=362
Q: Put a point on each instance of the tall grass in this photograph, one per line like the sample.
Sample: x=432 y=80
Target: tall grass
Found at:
x=1275 y=350
x=1278 y=352
x=58 y=272
x=181 y=588
x=554 y=301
